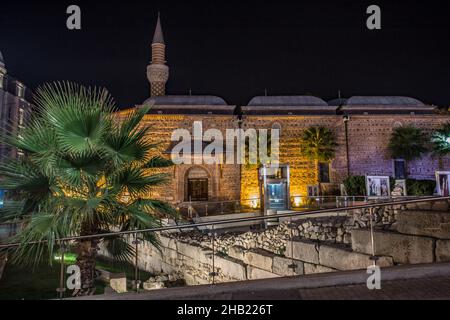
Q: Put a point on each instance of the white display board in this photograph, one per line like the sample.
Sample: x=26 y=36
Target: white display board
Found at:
x=377 y=186
x=443 y=183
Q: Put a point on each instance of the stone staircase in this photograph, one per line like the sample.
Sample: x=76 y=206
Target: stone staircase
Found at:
x=421 y=234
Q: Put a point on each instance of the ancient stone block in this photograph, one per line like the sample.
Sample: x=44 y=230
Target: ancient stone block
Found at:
x=256 y=273
x=311 y=268
x=343 y=259
x=167 y=242
x=231 y=268
x=260 y=259
x=195 y=252
x=402 y=248
x=303 y=250
x=442 y=250
x=283 y=266
x=118 y=282
x=236 y=252
x=152 y=285
x=424 y=223
x=440 y=205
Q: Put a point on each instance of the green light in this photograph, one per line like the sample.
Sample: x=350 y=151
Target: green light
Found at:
x=68 y=258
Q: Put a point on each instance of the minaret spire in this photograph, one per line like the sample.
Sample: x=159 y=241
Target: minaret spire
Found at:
x=158 y=37
x=157 y=71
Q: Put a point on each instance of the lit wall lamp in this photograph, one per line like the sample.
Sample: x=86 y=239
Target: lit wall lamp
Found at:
x=254 y=203
x=297 y=201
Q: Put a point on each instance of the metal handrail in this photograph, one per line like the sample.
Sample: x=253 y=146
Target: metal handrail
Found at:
x=229 y=221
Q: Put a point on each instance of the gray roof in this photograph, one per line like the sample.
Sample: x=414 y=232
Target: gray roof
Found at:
x=337 y=102
x=186 y=100
x=189 y=105
x=286 y=101
x=2 y=60
x=383 y=100
x=158 y=37
x=287 y=105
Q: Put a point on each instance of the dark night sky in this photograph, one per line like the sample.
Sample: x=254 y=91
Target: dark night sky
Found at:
x=235 y=49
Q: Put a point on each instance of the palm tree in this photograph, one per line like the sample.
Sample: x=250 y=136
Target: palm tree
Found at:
x=318 y=144
x=440 y=140
x=86 y=172
x=407 y=143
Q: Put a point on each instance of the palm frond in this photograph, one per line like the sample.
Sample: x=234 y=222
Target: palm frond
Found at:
x=158 y=162
x=119 y=249
x=407 y=143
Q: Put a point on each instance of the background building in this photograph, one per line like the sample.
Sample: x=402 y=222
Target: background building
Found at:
x=362 y=126
x=15 y=108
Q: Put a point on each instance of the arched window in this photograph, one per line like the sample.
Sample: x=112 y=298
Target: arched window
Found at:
x=197 y=185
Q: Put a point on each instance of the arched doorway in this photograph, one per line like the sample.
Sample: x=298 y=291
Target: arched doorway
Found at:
x=197 y=185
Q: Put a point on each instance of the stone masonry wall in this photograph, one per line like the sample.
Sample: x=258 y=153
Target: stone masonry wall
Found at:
x=224 y=181
x=368 y=137
x=416 y=233
x=268 y=253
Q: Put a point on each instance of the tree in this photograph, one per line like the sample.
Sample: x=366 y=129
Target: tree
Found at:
x=318 y=144
x=407 y=143
x=249 y=154
x=440 y=140
x=86 y=172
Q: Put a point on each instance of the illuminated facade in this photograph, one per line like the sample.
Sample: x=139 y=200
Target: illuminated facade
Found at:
x=362 y=127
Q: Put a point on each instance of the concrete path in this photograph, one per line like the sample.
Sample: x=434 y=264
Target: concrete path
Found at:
x=427 y=281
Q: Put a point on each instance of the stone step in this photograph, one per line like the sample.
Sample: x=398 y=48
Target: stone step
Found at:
x=344 y=259
x=405 y=249
x=443 y=205
x=331 y=256
x=434 y=224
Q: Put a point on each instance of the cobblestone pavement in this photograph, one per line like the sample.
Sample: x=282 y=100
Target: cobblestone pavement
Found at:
x=417 y=282
x=415 y=289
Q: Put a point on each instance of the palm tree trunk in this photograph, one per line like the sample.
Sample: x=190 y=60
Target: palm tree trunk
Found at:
x=319 y=186
x=87 y=253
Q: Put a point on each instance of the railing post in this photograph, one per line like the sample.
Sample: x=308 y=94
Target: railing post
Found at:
x=136 y=261
x=293 y=265
x=374 y=258
x=62 y=289
x=213 y=274
x=206 y=209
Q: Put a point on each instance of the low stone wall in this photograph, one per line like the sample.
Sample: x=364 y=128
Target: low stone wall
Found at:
x=420 y=234
x=194 y=263
x=331 y=229
x=305 y=245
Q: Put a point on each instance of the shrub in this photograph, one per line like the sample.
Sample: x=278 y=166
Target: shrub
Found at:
x=420 y=187
x=355 y=185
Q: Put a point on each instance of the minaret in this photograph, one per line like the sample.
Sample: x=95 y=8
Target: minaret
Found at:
x=157 y=71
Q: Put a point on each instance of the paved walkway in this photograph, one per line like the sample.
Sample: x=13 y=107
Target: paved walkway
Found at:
x=416 y=289
x=428 y=281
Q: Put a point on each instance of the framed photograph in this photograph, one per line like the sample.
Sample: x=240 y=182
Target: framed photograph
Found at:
x=443 y=183
x=377 y=186
x=399 y=188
